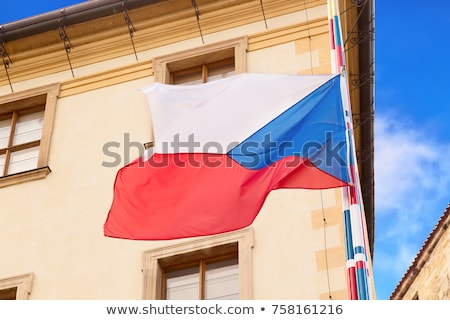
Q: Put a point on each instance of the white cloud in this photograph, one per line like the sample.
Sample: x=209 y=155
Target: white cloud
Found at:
x=412 y=189
x=408 y=166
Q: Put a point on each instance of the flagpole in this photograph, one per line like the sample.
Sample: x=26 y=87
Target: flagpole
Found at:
x=355 y=239
x=334 y=69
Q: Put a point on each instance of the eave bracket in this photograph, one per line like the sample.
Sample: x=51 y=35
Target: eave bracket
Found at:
x=6 y=62
x=197 y=14
x=5 y=57
x=65 y=39
x=130 y=26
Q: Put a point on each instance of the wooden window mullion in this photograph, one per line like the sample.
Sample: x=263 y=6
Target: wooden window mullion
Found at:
x=7 y=157
x=13 y=129
x=204 y=73
x=202 y=272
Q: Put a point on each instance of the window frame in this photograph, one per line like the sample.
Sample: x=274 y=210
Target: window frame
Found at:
x=161 y=65
x=19 y=101
x=153 y=271
x=21 y=282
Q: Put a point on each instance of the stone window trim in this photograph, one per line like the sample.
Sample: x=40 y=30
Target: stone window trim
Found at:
x=21 y=282
x=25 y=99
x=161 y=64
x=152 y=289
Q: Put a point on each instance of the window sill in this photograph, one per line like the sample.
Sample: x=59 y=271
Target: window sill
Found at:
x=21 y=177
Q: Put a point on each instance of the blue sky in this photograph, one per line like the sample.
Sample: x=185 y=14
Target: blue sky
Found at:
x=412 y=113
x=412 y=144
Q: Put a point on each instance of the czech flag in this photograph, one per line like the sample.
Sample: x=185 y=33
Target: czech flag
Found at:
x=221 y=147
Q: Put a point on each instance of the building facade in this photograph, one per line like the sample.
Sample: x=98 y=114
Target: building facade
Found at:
x=72 y=114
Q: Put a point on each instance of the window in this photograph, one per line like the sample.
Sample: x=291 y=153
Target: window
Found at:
x=26 y=122
x=16 y=288
x=207 y=274
x=204 y=64
x=215 y=267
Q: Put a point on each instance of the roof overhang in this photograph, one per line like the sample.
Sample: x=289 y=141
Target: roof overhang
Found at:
x=71 y=15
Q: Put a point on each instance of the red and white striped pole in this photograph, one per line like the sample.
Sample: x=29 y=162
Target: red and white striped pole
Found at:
x=357 y=262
